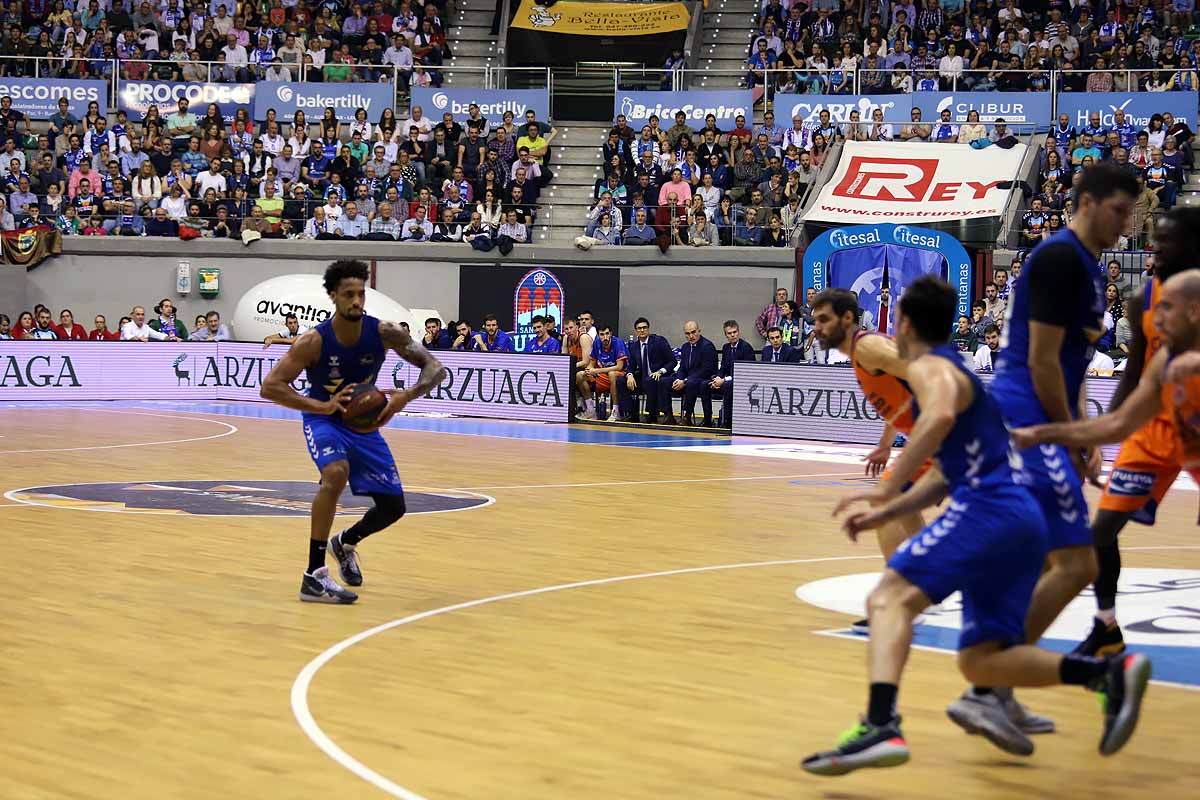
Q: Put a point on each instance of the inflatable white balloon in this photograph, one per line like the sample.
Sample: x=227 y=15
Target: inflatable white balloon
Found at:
x=261 y=310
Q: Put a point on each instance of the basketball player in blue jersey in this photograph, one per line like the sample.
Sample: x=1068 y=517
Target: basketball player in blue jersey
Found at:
x=344 y=350
x=1055 y=314
x=990 y=544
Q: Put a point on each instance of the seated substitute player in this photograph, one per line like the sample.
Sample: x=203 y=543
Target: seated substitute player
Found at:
x=492 y=339
x=607 y=367
x=291 y=332
x=990 y=544
x=344 y=350
x=542 y=341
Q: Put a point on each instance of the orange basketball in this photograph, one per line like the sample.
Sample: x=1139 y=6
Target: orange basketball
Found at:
x=366 y=402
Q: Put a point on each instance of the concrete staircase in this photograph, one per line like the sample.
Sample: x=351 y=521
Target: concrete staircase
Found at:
x=725 y=44
x=1189 y=193
x=471 y=39
x=576 y=164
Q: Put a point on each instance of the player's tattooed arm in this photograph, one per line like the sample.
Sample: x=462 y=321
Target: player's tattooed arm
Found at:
x=412 y=351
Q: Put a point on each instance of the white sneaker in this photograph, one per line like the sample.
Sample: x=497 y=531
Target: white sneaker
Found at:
x=614 y=417
x=1022 y=717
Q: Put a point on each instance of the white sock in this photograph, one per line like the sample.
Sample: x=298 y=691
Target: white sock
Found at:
x=1107 y=615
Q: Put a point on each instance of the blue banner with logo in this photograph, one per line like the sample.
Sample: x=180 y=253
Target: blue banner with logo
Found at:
x=1138 y=106
x=1019 y=110
x=314 y=98
x=38 y=97
x=896 y=107
x=135 y=97
x=857 y=257
x=724 y=104
x=492 y=102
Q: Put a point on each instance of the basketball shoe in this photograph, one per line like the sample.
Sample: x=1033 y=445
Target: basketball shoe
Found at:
x=864 y=745
x=319 y=587
x=347 y=560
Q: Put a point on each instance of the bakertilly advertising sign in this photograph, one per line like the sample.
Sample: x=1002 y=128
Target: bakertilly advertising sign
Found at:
x=501 y=385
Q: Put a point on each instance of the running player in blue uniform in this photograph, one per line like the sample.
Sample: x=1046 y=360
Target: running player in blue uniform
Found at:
x=347 y=349
x=1055 y=314
x=989 y=544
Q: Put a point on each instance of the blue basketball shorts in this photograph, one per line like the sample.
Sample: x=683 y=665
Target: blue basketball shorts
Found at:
x=372 y=467
x=989 y=547
x=1051 y=477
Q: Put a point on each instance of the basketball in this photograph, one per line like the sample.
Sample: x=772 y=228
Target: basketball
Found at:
x=363 y=409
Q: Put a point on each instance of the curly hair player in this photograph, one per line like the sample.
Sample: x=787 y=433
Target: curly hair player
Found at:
x=344 y=350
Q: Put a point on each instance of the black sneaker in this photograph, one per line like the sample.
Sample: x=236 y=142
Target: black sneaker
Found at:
x=861 y=627
x=1121 y=693
x=347 y=560
x=318 y=587
x=1104 y=640
x=864 y=745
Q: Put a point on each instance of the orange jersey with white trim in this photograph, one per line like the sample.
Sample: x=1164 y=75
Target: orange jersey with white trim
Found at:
x=890 y=396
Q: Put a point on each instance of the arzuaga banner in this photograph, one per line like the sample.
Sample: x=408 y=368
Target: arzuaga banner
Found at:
x=506 y=386
x=567 y=32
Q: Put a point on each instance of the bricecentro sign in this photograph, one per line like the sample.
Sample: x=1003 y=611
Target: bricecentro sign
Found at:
x=916 y=182
x=524 y=387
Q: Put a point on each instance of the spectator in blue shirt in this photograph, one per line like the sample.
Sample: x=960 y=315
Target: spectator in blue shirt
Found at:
x=748 y=233
x=758 y=64
x=492 y=339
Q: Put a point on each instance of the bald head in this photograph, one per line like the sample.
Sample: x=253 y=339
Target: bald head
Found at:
x=1184 y=286
x=692 y=331
x=1177 y=313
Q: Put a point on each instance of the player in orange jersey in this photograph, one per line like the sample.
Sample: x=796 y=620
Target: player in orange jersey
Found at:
x=1166 y=388
x=881 y=373
x=1149 y=460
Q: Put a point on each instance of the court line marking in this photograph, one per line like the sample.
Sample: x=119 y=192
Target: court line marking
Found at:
x=11 y=494
x=326 y=744
x=300 y=687
x=232 y=430
x=676 y=480
x=700 y=437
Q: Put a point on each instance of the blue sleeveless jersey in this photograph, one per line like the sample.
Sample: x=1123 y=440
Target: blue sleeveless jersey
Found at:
x=1013 y=385
x=341 y=365
x=975 y=454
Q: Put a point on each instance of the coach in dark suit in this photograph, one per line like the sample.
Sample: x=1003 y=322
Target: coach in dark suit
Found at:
x=697 y=366
x=651 y=361
x=735 y=349
x=777 y=350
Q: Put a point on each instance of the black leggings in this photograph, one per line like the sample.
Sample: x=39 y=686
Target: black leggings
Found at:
x=388 y=509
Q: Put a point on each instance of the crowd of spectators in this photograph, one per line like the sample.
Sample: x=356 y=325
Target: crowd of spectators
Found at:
x=166 y=324
x=1159 y=155
x=191 y=175
x=978 y=336
x=823 y=47
x=224 y=41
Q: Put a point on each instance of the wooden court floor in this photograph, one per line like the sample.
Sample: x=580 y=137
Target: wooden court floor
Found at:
x=166 y=655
